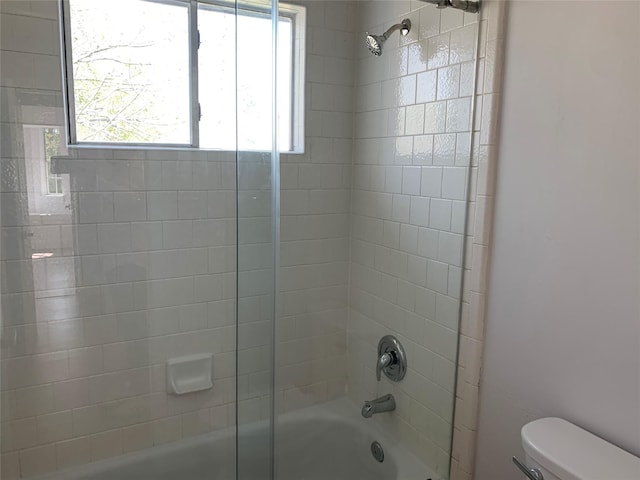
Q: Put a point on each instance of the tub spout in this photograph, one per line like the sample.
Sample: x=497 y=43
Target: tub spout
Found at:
x=385 y=403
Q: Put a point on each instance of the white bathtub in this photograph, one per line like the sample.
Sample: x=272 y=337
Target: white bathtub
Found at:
x=325 y=442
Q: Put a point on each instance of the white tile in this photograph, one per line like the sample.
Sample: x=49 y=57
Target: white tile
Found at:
x=84 y=362
x=431 y=182
x=403 y=151
x=451 y=19
x=437 y=276
x=448 y=82
x=429 y=22
x=428 y=243
x=105 y=445
x=146 y=236
x=54 y=427
x=177 y=234
x=39 y=460
x=440 y=214
x=438 y=51
x=419 y=211
x=407 y=90
x=435 y=117
x=454 y=183
x=401 y=208
x=162 y=205
x=396 y=121
x=447 y=313
x=444 y=149
x=114 y=237
x=73 y=452
x=96 y=207
x=409 y=238
x=10 y=466
x=393 y=180
x=417 y=271
x=463 y=44
x=411 y=180
x=426 y=86
x=192 y=204
x=426 y=302
x=450 y=248
x=459 y=116
x=417 y=58
x=414 y=120
x=130 y=206
x=423 y=150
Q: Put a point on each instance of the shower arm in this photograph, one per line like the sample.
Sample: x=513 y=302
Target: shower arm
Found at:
x=464 y=5
x=391 y=29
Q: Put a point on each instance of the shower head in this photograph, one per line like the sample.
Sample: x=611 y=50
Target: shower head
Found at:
x=375 y=42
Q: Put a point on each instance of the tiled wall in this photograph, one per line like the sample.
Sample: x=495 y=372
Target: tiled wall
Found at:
x=411 y=167
x=388 y=141
x=479 y=228
x=142 y=269
x=315 y=202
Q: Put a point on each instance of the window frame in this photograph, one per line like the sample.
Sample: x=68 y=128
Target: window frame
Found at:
x=296 y=14
x=48 y=162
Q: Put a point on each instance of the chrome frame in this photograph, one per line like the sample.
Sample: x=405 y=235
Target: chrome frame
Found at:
x=470 y=6
x=194 y=46
x=66 y=58
x=275 y=225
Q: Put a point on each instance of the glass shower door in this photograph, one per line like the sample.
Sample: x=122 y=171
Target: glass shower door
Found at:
x=149 y=245
x=257 y=163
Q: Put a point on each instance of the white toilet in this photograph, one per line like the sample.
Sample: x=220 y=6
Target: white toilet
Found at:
x=563 y=451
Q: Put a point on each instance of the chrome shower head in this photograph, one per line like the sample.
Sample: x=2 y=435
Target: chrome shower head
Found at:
x=375 y=42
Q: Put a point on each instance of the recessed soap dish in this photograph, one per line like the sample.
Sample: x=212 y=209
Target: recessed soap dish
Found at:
x=191 y=373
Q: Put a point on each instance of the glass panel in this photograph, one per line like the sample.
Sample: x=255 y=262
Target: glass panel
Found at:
x=131 y=71
x=217 y=69
x=129 y=269
x=258 y=193
x=146 y=256
x=217 y=77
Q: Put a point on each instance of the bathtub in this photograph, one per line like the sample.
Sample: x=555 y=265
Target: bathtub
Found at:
x=333 y=441
x=324 y=442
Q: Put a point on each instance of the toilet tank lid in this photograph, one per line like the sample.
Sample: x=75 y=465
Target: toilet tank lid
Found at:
x=571 y=453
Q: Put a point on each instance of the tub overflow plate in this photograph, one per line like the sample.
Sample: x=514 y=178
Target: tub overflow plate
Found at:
x=377 y=452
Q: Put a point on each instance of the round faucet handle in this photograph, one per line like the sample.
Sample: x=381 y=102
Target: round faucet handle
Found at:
x=392 y=359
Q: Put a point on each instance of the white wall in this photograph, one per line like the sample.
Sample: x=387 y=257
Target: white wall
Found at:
x=563 y=321
x=314 y=222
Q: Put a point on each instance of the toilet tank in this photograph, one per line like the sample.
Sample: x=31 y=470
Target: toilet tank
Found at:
x=563 y=451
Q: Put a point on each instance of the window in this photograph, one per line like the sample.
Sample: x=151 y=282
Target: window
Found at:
x=51 y=149
x=191 y=74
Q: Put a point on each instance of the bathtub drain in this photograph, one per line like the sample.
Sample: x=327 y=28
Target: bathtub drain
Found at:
x=377 y=452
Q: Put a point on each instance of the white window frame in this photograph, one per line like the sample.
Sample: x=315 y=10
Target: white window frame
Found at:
x=297 y=16
x=48 y=175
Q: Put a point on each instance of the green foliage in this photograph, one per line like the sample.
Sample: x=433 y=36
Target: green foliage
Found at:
x=114 y=100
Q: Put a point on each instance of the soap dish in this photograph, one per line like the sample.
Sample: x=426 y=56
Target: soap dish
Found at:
x=191 y=373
